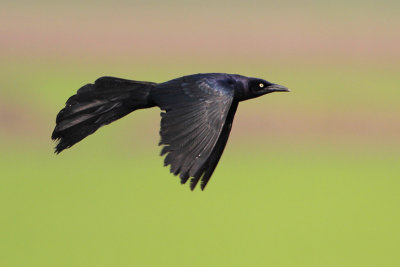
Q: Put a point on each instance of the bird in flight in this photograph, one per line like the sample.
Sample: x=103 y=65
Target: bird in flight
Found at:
x=196 y=118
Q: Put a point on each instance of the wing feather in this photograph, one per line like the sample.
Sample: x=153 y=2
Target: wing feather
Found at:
x=194 y=117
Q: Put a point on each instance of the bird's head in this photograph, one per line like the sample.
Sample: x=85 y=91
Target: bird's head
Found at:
x=256 y=87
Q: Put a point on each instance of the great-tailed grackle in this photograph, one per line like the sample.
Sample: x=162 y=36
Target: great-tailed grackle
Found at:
x=197 y=115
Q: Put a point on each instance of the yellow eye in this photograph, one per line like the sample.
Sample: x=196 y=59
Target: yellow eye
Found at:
x=261 y=85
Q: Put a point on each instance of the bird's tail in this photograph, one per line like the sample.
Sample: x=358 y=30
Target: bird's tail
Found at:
x=98 y=104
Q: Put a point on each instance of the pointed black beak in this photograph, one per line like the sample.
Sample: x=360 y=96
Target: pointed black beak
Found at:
x=277 y=88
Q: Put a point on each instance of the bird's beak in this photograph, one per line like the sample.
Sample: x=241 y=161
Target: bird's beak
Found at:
x=278 y=88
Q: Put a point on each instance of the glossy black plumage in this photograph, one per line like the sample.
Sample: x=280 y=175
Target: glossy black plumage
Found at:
x=198 y=112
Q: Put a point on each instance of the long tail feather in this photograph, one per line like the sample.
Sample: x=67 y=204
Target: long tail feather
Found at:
x=98 y=104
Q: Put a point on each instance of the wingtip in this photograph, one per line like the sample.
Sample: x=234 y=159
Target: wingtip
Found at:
x=192 y=185
x=202 y=186
x=193 y=182
x=57 y=150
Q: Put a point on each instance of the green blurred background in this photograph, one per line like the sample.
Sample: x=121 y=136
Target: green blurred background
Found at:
x=309 y=178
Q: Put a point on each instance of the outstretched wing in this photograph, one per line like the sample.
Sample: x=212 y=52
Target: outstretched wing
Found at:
x=196 y=111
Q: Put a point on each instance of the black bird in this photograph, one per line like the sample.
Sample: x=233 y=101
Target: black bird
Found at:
x=196 y=118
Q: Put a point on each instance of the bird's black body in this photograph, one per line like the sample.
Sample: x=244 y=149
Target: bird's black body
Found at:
x=198 y=112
